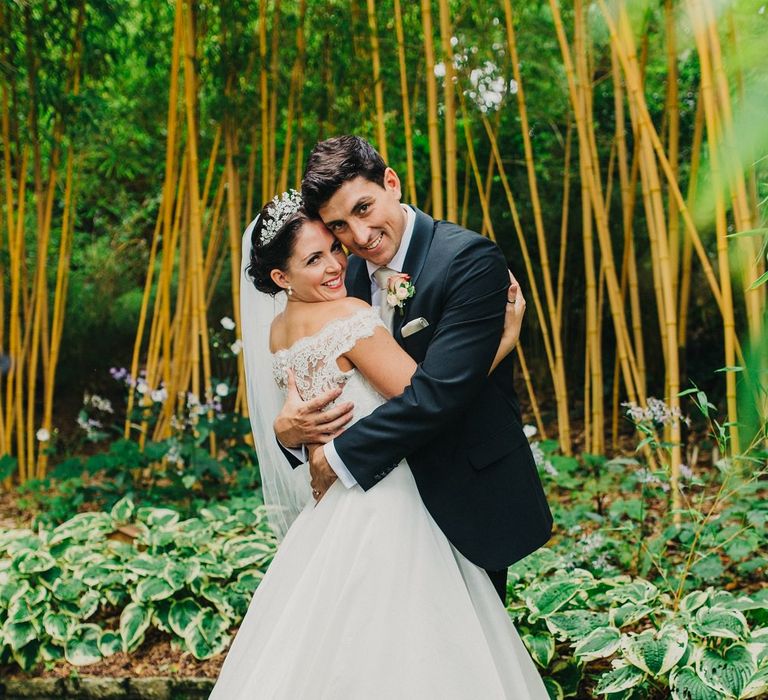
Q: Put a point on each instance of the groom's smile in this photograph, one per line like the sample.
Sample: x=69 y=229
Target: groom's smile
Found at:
x=367 y=217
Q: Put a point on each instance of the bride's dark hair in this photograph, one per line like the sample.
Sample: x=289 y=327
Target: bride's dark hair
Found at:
x=273 y=254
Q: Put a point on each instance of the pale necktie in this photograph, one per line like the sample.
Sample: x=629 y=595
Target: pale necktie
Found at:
x=386 y=311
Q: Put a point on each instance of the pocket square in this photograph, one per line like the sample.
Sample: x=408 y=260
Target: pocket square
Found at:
x=414 y=326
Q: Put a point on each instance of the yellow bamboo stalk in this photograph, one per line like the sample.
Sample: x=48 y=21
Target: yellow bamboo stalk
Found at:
x=564 y=226
x=264 y=102
x=274 y=78
x=436 y=178
x=410 y=177
x=378 y=88
x=560 y=382
x=449 y=105
x=696 y=13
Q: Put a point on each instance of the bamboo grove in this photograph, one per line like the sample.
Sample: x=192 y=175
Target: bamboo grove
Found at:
x=620 y=209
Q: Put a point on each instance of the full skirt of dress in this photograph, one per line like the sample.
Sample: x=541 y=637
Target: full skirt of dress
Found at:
x=367 y=599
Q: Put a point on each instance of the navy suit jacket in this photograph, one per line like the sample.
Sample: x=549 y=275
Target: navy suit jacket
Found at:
x=459 y=428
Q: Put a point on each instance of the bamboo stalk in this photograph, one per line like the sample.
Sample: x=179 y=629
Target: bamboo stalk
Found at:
x=410 y=177
x=436 y=178
x=378 y=89
x=449 y=106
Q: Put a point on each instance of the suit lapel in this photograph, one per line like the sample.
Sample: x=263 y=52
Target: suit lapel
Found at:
x=421 y=240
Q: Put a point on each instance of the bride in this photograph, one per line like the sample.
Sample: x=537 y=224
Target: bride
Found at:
x=366 y=598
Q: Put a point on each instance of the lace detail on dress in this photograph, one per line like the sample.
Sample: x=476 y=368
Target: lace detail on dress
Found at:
x=313 y=357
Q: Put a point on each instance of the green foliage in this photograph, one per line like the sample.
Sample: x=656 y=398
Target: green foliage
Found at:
x=713 y=644
x=98 y=582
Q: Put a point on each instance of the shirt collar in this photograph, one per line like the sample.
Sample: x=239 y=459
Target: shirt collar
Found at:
x=398 y=261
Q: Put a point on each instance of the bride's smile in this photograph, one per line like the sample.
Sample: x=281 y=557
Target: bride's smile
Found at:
x=317 y=266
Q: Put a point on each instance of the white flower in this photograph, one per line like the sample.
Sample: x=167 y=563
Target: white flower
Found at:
x=159 y=395
x=402 y=292
x=227 y=323
x=440 y=70
x=236 y=347
x=392 y=299
x=529 y=431
x=222 y=389
x=142 y=387
x=43 y=435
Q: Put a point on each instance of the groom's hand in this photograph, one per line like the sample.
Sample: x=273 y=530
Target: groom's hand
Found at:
x=303 y=422
x=320 y=471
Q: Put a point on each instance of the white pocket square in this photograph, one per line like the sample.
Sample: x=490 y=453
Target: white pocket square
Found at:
x=414 y=326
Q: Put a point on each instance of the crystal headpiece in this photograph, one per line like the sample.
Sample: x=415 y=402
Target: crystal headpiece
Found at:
x=281 y=208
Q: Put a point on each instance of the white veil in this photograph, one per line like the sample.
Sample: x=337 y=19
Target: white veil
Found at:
x=286 y=490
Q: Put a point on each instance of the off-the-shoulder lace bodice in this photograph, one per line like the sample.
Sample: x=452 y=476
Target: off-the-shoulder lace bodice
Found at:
x=313 y=359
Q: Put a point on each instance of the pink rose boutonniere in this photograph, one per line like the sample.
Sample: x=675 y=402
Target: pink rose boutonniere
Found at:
x=399 y=289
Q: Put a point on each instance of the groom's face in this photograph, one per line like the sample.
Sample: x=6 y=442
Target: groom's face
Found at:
x=367 y=217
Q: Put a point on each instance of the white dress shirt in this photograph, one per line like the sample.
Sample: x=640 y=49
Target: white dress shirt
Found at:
x=397 y=262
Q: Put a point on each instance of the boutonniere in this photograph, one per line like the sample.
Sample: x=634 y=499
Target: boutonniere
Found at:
x=399 y=289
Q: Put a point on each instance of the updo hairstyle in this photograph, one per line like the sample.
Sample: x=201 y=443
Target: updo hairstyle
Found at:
x=275 y=253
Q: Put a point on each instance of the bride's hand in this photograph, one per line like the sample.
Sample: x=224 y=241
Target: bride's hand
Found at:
x=513 y=318
x=320 y=471
x=303 y=422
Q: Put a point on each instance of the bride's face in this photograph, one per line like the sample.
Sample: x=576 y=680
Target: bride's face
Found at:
x=317 y=266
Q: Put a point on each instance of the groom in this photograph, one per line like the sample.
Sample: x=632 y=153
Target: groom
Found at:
x=459 y=428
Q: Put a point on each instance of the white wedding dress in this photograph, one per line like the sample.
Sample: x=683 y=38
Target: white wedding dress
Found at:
x=366 y=599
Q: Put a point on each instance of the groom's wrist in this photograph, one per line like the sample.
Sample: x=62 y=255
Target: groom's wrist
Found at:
x=337 y=465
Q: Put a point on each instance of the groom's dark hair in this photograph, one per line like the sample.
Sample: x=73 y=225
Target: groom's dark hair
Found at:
x=335 y=161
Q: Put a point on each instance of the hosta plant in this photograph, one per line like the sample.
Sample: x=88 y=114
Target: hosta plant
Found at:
x=622 y=638
x=96 y=583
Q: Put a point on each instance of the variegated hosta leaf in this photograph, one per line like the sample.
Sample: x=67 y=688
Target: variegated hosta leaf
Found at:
x=221 y=569
x=110 y=643
x=638 y=591
x=728 y=673
x=598 y=644
x=248 y=551
x=50 y=651
x=693 y=601
x=19 y=634
x=628 y=614
x=183 y=613
x=216 y=595
x=12 y=590
x=619 y=680
x=541 y=647
x=153 y=588
x=757 y=686
x=122 y=511
x=158 y=517
x=215 y=512
x=247 y=581
x=175 y=573
x=27 y=656
x=655 y=652
x=134 y=621
x=69 y=590
x=722 y=623
x=89 y=604
x=30 y=561
x=206 y=636
x=82 y=646
x=554 y=689
x=145 y=565
x=685 y=684
x=58 y=625
x=574 y=625
x=549 y=599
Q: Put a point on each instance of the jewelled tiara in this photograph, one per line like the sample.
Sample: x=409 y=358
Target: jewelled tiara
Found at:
x=281 y=208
